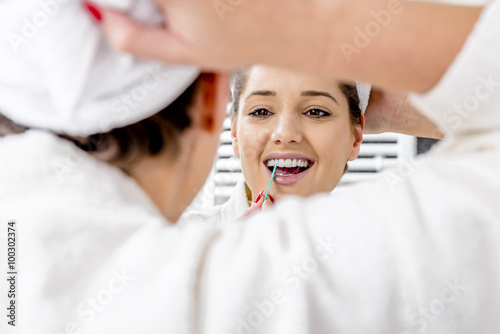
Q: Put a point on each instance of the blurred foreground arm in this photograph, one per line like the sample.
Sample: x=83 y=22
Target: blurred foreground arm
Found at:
x=406 y=45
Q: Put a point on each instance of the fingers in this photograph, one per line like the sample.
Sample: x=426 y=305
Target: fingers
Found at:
x=142 y=41
x=268 y=203
x=255 y=207
x=259 y=204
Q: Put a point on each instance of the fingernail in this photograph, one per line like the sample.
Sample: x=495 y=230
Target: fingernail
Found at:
x=93 y=9
x=271 y=198
x=260 y=196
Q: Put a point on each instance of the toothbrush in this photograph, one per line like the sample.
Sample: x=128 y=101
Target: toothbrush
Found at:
x=270 y=181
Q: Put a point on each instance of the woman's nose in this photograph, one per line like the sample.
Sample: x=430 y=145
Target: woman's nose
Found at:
x=287 y=130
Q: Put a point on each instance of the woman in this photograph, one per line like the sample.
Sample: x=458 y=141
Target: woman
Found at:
x=280 y=115
x=310 y=126
x=374 y=260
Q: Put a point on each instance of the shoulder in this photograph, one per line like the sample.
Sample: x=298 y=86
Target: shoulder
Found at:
x=54 y=178
x=466 y=100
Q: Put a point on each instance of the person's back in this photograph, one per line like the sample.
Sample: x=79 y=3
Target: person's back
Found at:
x=112 y=263
x=412 y=251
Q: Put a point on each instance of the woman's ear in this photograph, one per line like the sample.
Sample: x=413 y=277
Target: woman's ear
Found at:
x=234 y=135
x=213 y=94
x=358 y=138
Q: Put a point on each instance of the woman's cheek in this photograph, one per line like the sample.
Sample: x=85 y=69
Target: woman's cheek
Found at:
x=253 y=139
x=331 y=147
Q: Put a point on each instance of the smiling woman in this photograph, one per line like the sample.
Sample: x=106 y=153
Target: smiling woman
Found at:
x=307 y=126
x=311 y=127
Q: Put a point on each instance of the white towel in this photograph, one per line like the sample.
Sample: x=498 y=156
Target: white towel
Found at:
x=58 y=72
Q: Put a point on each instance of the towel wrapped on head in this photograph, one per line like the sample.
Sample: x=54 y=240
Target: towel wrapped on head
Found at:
x=57 y=71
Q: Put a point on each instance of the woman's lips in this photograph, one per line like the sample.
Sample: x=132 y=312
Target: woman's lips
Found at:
x=292 y=166
x=290 y=175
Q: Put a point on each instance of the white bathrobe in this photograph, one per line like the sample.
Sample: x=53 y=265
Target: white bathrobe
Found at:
x=228 y=212
x=417 y=250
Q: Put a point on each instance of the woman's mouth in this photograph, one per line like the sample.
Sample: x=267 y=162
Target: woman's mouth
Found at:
x=289 y=171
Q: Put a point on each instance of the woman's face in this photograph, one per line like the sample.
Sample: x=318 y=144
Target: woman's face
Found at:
x=298 y=121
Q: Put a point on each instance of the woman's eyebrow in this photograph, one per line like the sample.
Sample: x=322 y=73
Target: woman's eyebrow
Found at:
x=318 y=93
x=261 y=93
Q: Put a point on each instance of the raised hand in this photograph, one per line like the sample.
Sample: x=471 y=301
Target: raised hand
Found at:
x=390 y=111
x=222 y=34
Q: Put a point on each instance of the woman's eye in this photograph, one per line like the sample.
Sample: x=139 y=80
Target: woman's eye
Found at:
x=317 y=113
x=260 y=113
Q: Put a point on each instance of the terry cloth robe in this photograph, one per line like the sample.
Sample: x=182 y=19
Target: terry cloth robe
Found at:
x=228 y=212
x=416 y=250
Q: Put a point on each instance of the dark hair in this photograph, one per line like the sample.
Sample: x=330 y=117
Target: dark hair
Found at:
x=240 y=79
x=123 y=147
x=351 y=93
x=7 y=127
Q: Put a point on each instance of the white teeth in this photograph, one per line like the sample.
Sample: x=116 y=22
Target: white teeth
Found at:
x=288 y=163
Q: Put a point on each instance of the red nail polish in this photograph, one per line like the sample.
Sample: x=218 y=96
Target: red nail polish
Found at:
x=259 y=197
x=271 y=198
x=210 y=122
x=93 y=9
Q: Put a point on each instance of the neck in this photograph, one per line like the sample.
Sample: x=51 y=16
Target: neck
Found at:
x=161 y=181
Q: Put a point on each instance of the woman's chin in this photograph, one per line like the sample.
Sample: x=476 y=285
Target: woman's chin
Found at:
x=292 y=190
